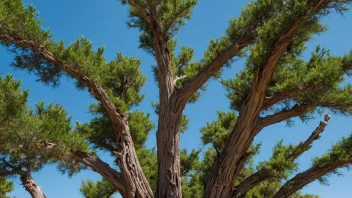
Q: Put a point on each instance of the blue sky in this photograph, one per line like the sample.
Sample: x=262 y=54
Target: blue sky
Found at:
x=103 y=22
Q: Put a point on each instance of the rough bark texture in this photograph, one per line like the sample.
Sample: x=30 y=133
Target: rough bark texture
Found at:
x=135 y=182
x=30 y=186
x=169 y=123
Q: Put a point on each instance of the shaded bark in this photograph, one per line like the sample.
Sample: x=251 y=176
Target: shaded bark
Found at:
x=31 y=186
x=135 y=182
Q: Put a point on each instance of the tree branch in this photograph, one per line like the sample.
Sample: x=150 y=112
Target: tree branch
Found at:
x=308 y=88
x=209 y=70
x=306 y=145
x=296 y=110
x=247 y=125
x=102 y=168
x=308 y=176
x=265 y=174
x=277 y=97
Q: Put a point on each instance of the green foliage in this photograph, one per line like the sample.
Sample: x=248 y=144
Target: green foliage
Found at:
x=5 y=187
x=32 y=138
x=99 y=189
x=280 y=164
x=148 y=160
x=340 y=153
x=217 y=132
x=171 y=15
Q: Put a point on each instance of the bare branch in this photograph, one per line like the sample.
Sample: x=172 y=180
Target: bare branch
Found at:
x=179 y=78
x=306 y=145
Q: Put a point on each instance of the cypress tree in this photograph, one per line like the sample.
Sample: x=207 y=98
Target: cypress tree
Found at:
x=276 y=85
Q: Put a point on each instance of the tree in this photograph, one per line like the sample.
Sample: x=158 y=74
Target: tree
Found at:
x=276 y=85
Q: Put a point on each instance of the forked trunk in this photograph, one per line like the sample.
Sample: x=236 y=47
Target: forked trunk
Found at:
x=31 y=187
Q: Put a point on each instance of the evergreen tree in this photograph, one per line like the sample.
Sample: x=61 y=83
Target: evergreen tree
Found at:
x=276 y=85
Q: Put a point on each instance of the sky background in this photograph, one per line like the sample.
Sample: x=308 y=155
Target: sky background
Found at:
x=103 y=22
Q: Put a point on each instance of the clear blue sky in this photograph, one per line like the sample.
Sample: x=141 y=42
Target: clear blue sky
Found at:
x=103 y=22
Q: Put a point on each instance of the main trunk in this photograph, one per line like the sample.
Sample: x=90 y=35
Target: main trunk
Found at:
x=168 y=140
x=169 y=123
x=31 y=187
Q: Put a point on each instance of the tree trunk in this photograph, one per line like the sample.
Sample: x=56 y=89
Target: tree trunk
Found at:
x=169 y=123
x=30 y=186
x=168 y=140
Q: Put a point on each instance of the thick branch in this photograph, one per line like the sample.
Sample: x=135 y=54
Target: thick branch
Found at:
x=308 y=176
x=102 y=168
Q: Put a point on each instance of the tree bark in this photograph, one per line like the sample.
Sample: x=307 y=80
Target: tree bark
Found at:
x=30 y=186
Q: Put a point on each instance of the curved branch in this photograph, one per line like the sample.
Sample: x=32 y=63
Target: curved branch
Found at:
x=265 y=174
x=97 y=165
x=308 y=176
